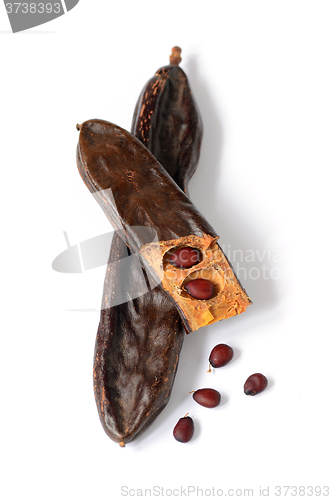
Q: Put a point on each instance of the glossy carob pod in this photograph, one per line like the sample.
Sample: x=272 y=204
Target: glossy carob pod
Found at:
x=136 y=353
x=139 y=342
x=166 y=113
x=133 y=188
x=136 y=192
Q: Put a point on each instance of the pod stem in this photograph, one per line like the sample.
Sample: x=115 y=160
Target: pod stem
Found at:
x=122 y=444
x=175 y=57
x=209 y=369
x=78 y=127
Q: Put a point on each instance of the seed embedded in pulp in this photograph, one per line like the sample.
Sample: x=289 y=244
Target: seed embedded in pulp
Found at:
x=210 y=398
x=220 y=355
x=185 y=257
x=200 y=289
x=255 y=384
x=184 y=429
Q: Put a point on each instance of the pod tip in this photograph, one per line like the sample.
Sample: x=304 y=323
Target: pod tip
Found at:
x=122 y=444
x=175 y=57
x=78 y=127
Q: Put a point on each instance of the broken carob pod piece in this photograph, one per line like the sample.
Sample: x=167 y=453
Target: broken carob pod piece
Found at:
x=167 y=121
x=139 y=341
x=220 y=356
x=139 y=197
x=210 y=398
x=255 y=384
x=184 y=429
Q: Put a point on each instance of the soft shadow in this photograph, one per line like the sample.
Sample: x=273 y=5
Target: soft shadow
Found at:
x=224 y=400
x=271 y=383
x=236 y=356
x=197 y=429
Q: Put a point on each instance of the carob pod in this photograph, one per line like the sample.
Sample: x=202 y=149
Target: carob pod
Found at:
x=166 y=113
x=135 y=191
x=136 y=354
x=138 y=342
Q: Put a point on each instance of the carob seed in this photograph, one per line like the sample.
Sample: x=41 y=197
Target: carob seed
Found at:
x=184 y=429
x=220 y=355
x=255 y=384
x=200 y=289
x=185 y=257
x=210 y=398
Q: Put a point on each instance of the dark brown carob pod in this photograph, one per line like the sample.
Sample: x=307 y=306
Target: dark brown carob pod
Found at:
x=136 y=354
x=139 y=342
x=136 y=193
x=166 y=115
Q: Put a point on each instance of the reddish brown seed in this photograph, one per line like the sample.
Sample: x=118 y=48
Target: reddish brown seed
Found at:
x=200 y=289
x=210 y=398
x=220 y=355
x=184 y=430
x=185 y=257
x=255 y=384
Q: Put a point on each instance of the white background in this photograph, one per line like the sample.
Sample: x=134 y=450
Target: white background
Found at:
x=260 y=72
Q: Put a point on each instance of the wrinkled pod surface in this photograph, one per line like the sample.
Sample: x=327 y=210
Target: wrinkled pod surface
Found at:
x=139 y=342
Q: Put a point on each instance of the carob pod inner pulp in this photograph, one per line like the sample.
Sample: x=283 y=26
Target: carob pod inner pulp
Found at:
x=134 y=190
